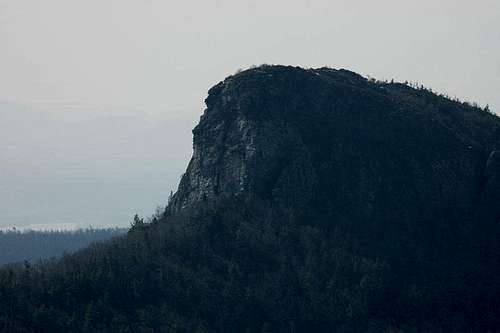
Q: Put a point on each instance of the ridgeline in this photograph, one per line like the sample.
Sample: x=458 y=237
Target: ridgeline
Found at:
x=315 y=201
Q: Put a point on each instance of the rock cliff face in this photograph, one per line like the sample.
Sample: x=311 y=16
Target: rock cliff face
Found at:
x=336 y=143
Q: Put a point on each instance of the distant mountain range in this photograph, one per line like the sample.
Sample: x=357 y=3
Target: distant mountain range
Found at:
x=31 y=245
x=87 y=165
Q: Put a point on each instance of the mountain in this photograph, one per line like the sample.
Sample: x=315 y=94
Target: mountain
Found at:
x=316 y=200
x=398 y=165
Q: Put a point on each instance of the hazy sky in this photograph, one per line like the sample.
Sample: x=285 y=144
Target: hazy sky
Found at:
x=98 y=97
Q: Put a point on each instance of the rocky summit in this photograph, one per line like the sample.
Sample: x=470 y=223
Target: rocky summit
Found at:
x=373 y=154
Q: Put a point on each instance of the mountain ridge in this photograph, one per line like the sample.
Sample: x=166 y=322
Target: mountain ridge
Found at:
x=315 y=200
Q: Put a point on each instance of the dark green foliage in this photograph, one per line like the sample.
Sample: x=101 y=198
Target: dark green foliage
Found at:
x=220 y=268
x=18 y=246
x=248 y=266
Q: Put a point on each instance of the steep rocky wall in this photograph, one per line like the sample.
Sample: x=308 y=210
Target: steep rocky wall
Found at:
x=333 y=142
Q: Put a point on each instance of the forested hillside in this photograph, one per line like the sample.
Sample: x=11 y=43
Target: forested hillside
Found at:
x=315 y=201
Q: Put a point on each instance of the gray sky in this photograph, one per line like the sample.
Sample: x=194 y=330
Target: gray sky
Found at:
x=98 y=97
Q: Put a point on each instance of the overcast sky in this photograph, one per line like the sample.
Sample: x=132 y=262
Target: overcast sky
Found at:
x=98 y=97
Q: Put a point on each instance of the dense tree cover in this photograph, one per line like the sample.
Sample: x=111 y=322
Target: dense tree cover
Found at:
x=249 y=266
x=31 y=245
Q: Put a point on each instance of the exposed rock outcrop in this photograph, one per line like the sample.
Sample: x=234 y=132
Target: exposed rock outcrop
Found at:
x=332 y=141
